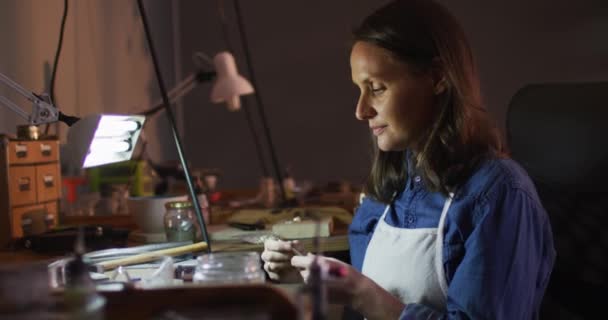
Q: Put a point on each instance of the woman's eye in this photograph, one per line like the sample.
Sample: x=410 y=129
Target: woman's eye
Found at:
x=377 y=90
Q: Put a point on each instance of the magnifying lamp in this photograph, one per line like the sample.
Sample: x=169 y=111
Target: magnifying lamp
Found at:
x=94 y=140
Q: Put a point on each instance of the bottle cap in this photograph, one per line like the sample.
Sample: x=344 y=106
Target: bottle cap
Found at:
x=178 y=205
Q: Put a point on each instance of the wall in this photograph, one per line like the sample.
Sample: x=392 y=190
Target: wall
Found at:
x=300 y=51
x=520 y=42
x=300 y=55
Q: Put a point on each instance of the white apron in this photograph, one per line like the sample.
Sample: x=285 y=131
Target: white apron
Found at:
x=409 y=262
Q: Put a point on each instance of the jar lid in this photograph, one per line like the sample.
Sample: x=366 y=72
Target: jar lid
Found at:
x=178 y=205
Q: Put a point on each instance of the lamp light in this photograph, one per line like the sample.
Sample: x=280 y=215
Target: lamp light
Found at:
x=101 y=139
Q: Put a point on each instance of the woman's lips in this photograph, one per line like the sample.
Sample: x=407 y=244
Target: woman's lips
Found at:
x=378 y=130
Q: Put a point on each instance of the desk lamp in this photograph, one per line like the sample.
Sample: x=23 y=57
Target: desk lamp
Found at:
x=94 y=140
x=229 y=85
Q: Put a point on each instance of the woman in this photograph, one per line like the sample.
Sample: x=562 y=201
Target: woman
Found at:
x=450 y=227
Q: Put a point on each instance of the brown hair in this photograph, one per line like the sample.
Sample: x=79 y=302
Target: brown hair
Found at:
x=425 y=35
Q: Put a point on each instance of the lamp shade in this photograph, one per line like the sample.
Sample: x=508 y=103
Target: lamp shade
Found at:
x=102 y=139
x=229 y=84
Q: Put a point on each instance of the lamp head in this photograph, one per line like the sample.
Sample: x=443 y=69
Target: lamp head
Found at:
x=102 y=139
x=229 y=84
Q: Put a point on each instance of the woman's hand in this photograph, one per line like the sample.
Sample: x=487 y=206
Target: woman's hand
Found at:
x=277 y=256
x=345 y=285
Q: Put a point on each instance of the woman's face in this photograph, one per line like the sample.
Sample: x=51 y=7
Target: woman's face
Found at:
x=397 y=103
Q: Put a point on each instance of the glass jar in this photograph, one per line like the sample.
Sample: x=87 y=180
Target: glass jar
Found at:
x=180 y=221
x=229 y=268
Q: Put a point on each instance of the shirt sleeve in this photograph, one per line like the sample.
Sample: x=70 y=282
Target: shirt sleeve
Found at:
x=507 y=262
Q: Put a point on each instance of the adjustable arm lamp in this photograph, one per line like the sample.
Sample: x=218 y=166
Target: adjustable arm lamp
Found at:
x=228 y=87
x=94 y=140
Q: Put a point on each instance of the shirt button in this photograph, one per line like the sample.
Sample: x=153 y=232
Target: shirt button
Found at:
x=417 y=179
x=410 y=219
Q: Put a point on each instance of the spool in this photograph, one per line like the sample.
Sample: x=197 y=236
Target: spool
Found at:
x=28 y=132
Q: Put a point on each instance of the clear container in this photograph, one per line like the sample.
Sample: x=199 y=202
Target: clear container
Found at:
x=229 y=268
x=180 y=221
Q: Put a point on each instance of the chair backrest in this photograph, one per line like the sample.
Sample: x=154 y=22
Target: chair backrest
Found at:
x=559 y=134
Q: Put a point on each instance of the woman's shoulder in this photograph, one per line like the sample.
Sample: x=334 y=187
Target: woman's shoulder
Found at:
x=498 y=175
x=366 y=215
x=370 y=206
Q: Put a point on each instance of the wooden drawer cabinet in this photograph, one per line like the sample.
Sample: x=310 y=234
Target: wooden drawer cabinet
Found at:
x=30 y=185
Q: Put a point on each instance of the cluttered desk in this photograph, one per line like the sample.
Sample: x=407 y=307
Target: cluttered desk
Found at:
x=177 y=276
x=138 y=257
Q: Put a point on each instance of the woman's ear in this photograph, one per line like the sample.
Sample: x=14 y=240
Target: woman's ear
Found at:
x=440 y=86
x=440 y=83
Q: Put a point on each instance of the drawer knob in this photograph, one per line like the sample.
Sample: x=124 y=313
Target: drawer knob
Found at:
x=46 y=149
x=49 y=181
x=24 y=184
x=21 y=151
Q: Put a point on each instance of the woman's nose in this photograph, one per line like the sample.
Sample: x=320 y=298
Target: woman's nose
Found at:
x=364 y=110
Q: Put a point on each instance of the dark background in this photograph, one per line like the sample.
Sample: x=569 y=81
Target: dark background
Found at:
x=300 y=53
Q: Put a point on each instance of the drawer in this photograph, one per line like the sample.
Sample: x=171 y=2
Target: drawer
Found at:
x=17 y=218
x=52 y=218
x=26 y=152
x=48 y=182
x=22 y=185
x=22 y=152
x=46 y=150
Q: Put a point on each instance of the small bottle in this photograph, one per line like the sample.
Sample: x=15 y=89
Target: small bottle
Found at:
x=180 y=221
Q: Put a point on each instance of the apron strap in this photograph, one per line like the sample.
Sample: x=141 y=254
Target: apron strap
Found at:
x=388 y=206
x=439 y=245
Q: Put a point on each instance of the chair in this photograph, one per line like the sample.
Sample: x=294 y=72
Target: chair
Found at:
x=559 y=134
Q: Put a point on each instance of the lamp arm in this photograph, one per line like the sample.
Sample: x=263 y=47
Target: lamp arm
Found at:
x=15 y=86
x=180 y=90
x=15 y=108
x=42 y=112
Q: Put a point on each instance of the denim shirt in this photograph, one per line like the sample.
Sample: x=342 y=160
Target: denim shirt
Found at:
x=498 y=247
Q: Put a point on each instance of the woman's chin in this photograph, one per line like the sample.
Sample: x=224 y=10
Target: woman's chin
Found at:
x=387 y=146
